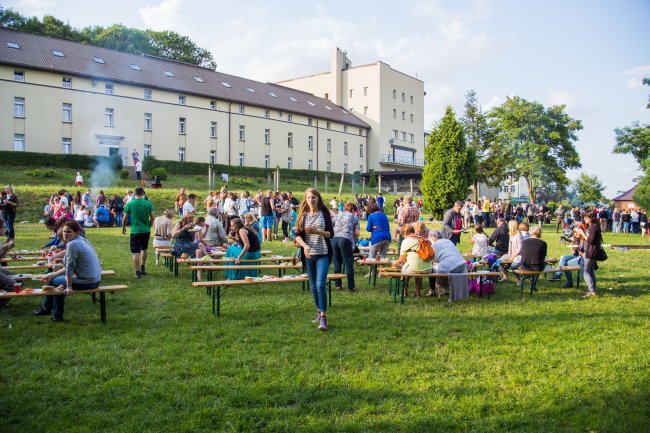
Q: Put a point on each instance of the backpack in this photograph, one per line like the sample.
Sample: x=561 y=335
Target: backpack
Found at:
x=424 y=249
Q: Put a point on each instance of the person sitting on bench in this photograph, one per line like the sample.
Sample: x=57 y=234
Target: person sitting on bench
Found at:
x=81 y=271
x=533 y=253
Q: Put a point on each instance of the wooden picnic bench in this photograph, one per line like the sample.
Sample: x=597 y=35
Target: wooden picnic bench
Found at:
x=102 y=290
x=171 y=262
x=373 y=266
x=220 y=287
x=533 y=276
x=400 y=279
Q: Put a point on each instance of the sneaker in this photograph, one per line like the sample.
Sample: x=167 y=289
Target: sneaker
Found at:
x=138 y=275
x=589 y=295
x=554 y=277
x=323 y=323
x=316 y=319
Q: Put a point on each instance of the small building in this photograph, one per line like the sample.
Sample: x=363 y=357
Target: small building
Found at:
x=626 y=200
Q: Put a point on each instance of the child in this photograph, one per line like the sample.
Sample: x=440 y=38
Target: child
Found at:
x=480 y=242
x=88 y=218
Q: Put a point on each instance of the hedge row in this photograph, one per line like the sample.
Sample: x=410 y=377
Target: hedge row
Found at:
x=78 y=162
x=201 y=168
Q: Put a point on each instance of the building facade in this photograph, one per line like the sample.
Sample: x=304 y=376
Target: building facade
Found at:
x=391 y=102
x=63 y=97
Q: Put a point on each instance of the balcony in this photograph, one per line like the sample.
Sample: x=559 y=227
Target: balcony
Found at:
x=404 y=161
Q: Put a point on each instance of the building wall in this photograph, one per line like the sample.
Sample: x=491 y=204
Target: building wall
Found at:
x=44 y=129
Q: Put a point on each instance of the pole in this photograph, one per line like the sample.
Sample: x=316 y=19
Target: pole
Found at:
x=268 y=183
x=315 y=182
x=353 y=185
x=379 y=184
x=341 y=184
x=363 y=185
x=411 y=182
x=326 y=181
x=278 y=187
x=210 y=177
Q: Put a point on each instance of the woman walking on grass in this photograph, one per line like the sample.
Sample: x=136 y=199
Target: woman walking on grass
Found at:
x=9 y=205
x=314 y=230
x=592 y=251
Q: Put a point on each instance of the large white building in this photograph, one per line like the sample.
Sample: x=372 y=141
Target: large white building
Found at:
x=391 y=102
x=64 y=97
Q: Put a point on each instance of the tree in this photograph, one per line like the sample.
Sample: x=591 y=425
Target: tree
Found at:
x=642 y=192
x=538 y=142
x=634 y=139
x=446 y=177
x=486 y=156
x=171 y=45
x=589 y=189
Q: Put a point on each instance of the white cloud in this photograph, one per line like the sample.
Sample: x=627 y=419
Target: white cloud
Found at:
x=635 y=77
x=34 y=7
x=164 y=16
x=562 y=97
x=495 y=101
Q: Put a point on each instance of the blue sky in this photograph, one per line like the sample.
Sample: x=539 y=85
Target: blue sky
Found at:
x=589 y=55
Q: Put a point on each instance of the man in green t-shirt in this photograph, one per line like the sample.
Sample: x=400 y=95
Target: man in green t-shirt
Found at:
x=142 y=216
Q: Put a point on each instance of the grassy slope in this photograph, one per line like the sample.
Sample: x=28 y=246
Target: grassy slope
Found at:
x=550 y=362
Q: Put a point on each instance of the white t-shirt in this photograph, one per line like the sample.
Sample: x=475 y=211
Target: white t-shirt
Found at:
x=187 y=208
x=79 y=178
x=138 y=166
x=333 y=203
x=480 y=244
x=229 y=207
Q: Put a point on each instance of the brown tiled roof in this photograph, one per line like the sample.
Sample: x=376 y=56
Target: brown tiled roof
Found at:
x=35 y=52
x=626 y=196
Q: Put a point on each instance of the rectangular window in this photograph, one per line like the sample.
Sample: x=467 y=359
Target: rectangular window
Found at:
x=411 y=99
x=394 y=94
x=365 y=91
x=361 y=150
x=345 y=128
x=242 y=161
x=365 y=111
x=328 y=166
x=290 y=163
x=267 y=161
x=395 y=134
x=403 y=115
x=267 y=136
x=147 y=121
x=310 y=121
x=108 y=118
x=19 y=107
x=394 y=113
x=350 y=93
x=19 y=76
x=213 y=105
x=242 y=133
x=147 y=150
x=327 y=96
x=66 y=144
x=147 y=94
x=328 y=125
x=267 y=114
x=345 y=148
x=512 y=188
x=213 y=129
x=310 y=142
x=67 y=113
x=66 y=83
x=361 y=132
x=290 y=117
x=411 y=117
x=181 y=125
x=403 y=136
x=181 y=154
x=310 y=165
x=181 y=99
x=213 y=157
x=403 y=97
x=19 y=142
x=290 y=139
x=411 y=138
x=241 y=109
x=329 y=145
x=108 y=89
x=345 y=167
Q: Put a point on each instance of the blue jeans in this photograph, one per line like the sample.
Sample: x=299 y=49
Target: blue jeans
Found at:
x=486 y=219
x=626 y=227
x=570 y=260
x=343 y=250
x=590 y=274
x=118 y=218
x=56 y=303
x=635 y=227
x=317 y=267
x=9 y=218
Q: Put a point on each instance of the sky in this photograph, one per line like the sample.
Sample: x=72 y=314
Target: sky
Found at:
x=589 y=55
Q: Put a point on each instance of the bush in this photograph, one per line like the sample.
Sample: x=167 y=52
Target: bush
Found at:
x=73 y=161
x=372 y=181
x=41 y=172
x=124 y=174
x=159 y=172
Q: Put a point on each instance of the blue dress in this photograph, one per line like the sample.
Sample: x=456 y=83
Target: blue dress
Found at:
x=233 y=251
x=185 y=245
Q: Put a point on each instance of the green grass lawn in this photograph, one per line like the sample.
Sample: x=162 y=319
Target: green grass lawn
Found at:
x=551 y=362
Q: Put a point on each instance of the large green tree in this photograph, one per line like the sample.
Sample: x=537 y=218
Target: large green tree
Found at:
x=538 y=141
x=634 y=139
x=589 y=189
x=486 y=155
x=446 y=176
x=166 y=44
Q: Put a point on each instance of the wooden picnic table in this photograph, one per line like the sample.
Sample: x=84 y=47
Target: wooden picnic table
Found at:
x=373 y=266
x=533 y=276
x=220 y=287
x=19 y=258
x=171 y=262
x=212 y=268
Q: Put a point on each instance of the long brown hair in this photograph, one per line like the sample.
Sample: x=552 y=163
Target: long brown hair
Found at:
x=304 y=208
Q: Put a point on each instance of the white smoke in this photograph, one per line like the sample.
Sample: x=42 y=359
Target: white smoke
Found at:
x=102 y=175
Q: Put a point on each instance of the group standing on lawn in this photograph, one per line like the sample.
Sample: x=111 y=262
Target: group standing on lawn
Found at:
x=242 y=222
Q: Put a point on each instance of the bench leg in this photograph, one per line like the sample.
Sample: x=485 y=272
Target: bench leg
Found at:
x=401 y=296
x=533 y=283
x=480 y=287
x=92 y=295
x=102 y=306
x=176 y=268
x=329 y=287
x=397 y=288
x=578 y=280
x=376 y=271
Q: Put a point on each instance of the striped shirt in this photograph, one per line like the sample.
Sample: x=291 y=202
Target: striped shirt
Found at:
x=316 y=243
x=408 y=215
x=345 y=224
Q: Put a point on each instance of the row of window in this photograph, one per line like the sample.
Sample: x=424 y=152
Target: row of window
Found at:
x=401 y=135
x=403 y=96
x=365 y=92
x=19 y=144
x=403 y=115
